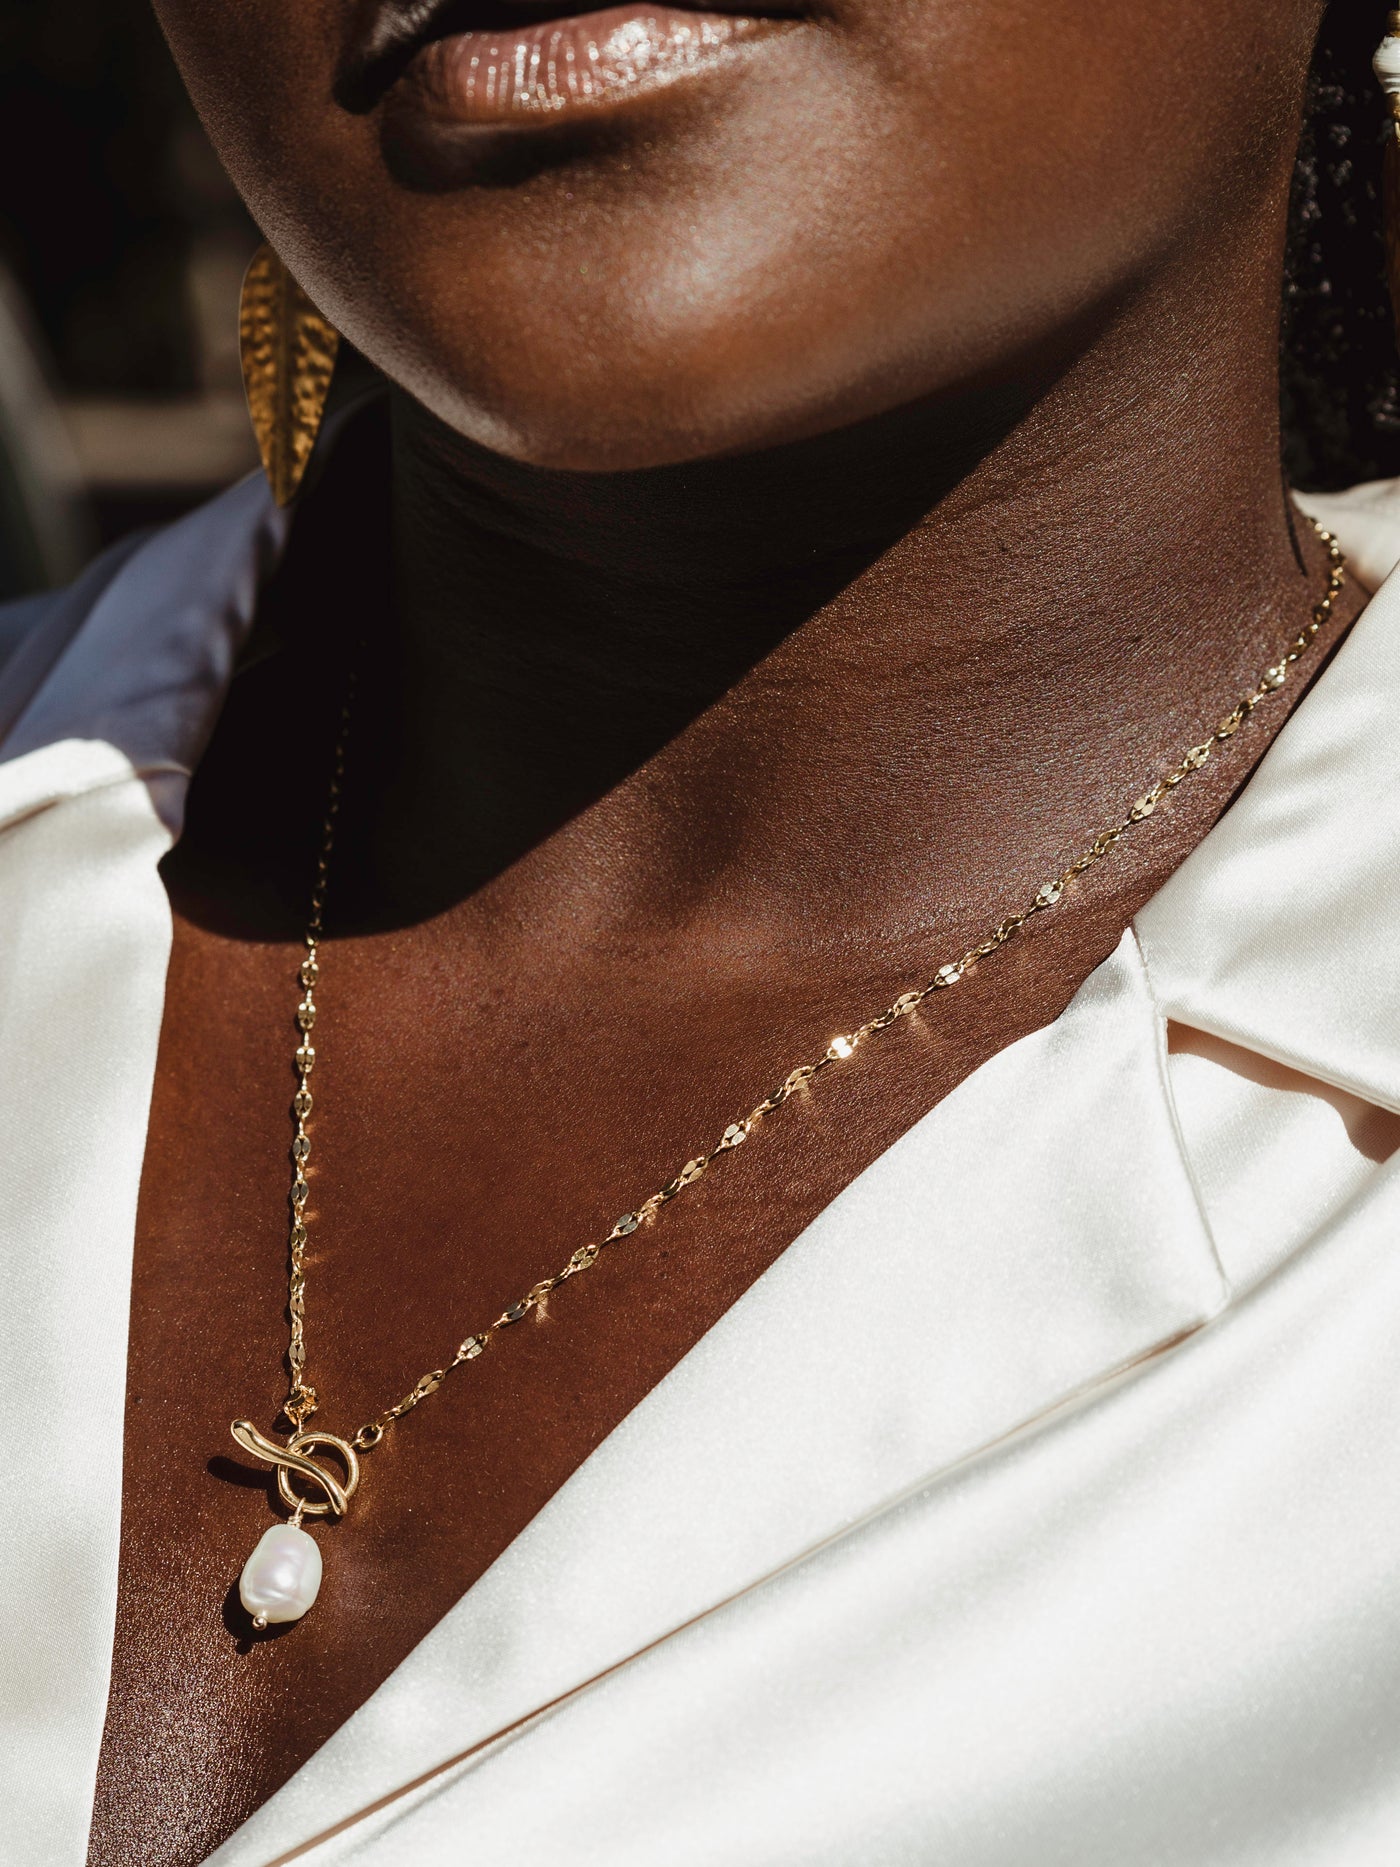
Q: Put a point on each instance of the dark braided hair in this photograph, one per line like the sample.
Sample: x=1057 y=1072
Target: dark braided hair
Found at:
x=1340 y=364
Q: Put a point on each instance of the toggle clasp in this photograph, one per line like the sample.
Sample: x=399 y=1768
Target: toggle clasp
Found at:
x=291 y=1458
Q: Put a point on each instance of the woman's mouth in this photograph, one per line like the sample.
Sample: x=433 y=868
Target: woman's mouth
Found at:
x=496 y=62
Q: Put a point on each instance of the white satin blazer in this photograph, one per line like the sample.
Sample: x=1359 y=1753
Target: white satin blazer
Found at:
x=1085 y=1552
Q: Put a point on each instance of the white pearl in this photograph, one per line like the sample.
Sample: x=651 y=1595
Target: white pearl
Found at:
x=282 y=1577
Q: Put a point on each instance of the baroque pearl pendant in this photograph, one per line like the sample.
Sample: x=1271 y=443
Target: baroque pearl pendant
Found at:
x=282 y=1577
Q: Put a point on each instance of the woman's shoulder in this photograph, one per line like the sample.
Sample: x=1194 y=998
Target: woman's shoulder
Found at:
x=34 y=630
x=156 y=616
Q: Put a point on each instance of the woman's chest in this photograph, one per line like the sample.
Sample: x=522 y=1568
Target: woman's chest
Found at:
x=474 y=1125
x=468 y=1136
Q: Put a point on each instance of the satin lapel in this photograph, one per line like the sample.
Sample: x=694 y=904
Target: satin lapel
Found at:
x=1013 y=1274
x=1279 y=932
x=1159 y=1629
x=90 y=789
x=84 y=937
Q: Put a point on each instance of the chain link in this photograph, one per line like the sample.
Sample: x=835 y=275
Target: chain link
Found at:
x=301 y=1400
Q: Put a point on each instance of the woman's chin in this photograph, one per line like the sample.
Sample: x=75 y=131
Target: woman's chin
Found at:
x=608 y=434
x=633 y=411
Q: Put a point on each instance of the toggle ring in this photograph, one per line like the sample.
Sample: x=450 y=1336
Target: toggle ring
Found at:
x=292 y=1458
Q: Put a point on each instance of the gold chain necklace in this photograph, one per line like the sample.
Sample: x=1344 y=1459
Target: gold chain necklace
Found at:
x=282 y=1576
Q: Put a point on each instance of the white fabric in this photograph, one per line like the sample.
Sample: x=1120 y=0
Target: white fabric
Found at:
x=1079 y=1548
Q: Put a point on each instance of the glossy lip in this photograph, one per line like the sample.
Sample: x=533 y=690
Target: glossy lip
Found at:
x=495 y=62
x=591 y=63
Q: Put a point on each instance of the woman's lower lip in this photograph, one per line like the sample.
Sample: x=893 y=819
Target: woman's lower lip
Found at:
x=588 y=63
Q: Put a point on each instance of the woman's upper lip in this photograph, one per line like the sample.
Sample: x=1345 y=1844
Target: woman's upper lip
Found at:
x=387 y=35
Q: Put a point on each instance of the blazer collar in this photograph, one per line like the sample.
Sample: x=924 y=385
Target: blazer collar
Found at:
x=1278 y=932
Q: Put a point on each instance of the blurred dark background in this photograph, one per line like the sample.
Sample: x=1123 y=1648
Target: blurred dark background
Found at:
x=122 y=246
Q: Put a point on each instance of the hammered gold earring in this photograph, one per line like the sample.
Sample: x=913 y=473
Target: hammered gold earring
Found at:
x=288 y=352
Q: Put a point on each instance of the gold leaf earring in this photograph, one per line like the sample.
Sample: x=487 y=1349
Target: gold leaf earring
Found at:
x=288 y=351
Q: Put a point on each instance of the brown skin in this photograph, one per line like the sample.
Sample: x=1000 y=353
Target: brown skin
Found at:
x=882 y=486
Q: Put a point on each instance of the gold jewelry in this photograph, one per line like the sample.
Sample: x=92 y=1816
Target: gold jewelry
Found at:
x=288 y=351
x=283 y=1573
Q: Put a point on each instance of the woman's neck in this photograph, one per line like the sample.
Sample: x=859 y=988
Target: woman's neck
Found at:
x=887 y=667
